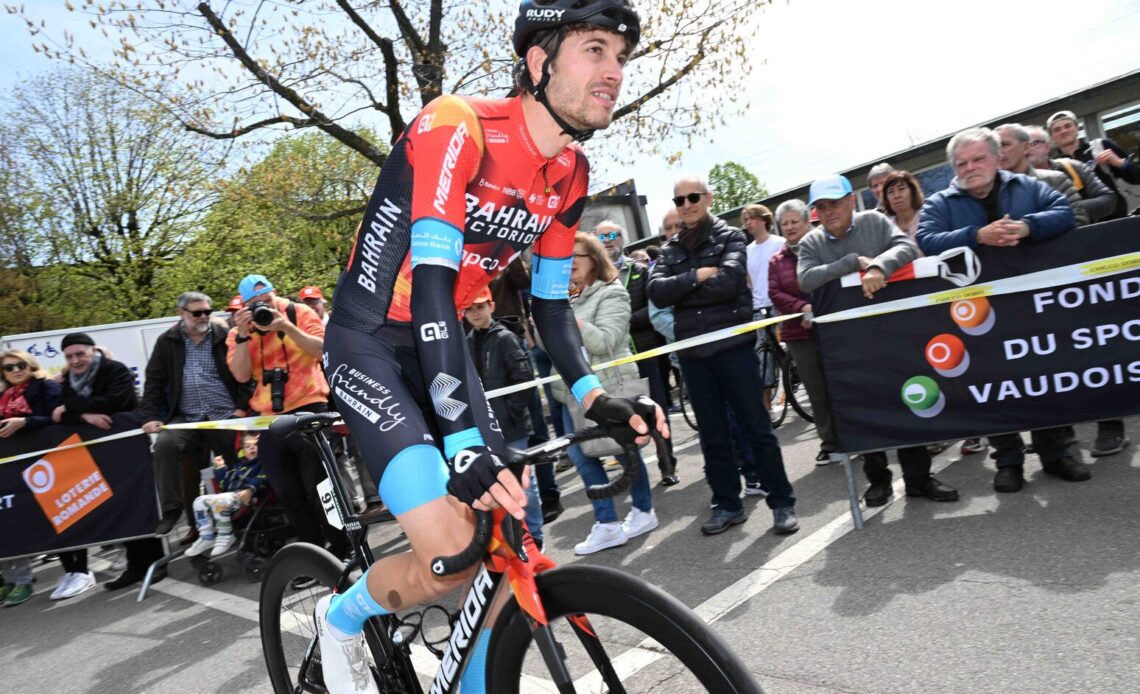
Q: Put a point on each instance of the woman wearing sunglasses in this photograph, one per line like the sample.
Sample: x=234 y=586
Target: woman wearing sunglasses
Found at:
x=26 y=402
x=28 y=395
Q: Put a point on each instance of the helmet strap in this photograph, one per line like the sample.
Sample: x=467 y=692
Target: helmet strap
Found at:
x=538 y=91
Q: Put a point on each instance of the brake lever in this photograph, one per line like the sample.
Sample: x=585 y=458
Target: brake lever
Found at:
x=513 y=534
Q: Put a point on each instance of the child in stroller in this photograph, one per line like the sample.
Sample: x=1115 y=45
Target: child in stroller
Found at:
x=243 y=503
x=237 y=487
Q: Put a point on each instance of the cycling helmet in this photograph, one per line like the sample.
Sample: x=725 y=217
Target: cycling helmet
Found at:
x=536 y=16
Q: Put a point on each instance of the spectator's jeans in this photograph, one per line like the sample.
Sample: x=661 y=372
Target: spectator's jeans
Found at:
x=1050 y=445
x=731 y=380
x=810 y=369
x=914 y=461
x=294 y=469
x=543 y=366
x=593 y=473
x=18 y=572
x=533 y=503
x=179 y=455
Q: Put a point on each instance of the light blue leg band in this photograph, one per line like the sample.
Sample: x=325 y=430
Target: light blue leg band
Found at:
x=349 y=610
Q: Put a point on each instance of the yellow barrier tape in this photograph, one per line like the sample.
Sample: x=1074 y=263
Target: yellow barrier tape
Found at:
x=81 y=444
x=239 y=424
x=1112 y=265
x=655 y=352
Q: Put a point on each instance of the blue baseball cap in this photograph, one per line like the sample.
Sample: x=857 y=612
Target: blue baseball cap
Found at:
x=829 y=188
x=248 y=283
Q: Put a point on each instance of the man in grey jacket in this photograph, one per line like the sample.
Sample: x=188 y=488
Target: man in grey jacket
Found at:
x=847 y=242
x=1098 y=199
x=1014 y=158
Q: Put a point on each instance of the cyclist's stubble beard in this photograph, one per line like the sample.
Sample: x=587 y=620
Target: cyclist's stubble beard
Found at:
x=574 y=101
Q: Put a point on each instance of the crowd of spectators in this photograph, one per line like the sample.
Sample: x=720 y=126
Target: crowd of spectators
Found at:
x=1013 y=185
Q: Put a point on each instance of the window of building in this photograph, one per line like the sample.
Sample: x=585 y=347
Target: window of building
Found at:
x=1122 y=126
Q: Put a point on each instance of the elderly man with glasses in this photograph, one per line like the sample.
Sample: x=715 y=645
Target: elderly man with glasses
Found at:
x=702 y=274
x=187 y=380
x=1097 y=199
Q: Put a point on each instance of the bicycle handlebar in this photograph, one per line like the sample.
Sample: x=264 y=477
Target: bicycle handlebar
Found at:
x=541 y=454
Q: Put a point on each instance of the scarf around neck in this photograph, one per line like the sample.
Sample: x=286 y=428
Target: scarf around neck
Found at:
x=83 y=384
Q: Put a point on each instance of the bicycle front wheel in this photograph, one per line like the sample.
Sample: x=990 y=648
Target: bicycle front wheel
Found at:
x=634 y=638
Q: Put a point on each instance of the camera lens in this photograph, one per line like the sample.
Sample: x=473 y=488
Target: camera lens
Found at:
x=262 y=314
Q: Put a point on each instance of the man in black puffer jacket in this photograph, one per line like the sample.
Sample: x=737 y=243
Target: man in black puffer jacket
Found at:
x=702 y=274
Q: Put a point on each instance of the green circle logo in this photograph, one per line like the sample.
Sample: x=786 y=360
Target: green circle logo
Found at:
x=920 y=392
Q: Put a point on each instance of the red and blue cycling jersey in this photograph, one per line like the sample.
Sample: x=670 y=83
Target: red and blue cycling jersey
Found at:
x=463 y=193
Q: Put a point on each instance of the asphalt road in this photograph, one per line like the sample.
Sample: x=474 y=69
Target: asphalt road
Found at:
x=1028 y=592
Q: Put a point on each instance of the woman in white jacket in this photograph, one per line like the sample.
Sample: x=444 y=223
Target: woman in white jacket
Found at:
x=601 y=305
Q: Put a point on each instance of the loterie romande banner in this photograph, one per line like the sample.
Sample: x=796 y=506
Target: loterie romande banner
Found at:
x=83 y=496
x=978 y=362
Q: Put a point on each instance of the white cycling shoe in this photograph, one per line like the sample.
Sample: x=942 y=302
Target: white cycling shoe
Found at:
x=344 y=662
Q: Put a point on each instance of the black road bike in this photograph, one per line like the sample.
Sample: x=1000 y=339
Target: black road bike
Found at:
x=577 y=628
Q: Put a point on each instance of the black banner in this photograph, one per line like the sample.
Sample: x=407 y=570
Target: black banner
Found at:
x=1000 y=363
x=79 y=497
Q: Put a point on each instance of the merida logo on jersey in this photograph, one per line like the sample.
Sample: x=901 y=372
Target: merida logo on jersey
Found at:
x=504 y=222
x=371 y=242
x=449 y=160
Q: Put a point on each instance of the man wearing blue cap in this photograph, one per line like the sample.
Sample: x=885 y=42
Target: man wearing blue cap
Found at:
x=847 y=242
x=278 y=345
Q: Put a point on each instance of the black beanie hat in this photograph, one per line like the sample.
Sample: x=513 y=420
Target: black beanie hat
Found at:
x=76 y=339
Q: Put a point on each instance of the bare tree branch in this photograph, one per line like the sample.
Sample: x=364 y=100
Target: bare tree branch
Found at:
x=319 y=119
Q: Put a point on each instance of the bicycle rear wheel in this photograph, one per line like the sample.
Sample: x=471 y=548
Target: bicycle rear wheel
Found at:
x=686 y=406
x=795 y=390
x=778 y=408
x=288 y=630
x=645 y=640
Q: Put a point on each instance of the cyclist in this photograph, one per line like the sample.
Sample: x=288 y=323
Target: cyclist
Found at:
x=470 y=184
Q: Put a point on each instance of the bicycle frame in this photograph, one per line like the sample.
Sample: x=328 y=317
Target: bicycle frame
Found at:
x=518 y=561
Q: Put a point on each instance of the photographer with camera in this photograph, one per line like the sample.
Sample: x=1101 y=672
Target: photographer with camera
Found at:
x=278 y=344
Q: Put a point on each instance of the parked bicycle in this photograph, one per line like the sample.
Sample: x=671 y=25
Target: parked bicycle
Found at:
x=789 y=390
x=571 y=629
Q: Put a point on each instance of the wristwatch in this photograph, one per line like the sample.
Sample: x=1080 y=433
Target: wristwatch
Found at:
x=239 y=339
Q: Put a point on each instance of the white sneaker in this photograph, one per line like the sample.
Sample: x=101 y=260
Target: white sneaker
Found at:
x=638 y=522
x=200 y=546
x=76 y=584
x=343 y=662
x=602 y=536
x=64 y=581
x=222 y=545
x=118 y=560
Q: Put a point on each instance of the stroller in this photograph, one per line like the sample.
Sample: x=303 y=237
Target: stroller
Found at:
x=261 y=530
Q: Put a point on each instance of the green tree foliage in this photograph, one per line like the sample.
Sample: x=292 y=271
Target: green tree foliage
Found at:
x=235 y=68
x=104 y=196
x=291 y=217
x=734 y=186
